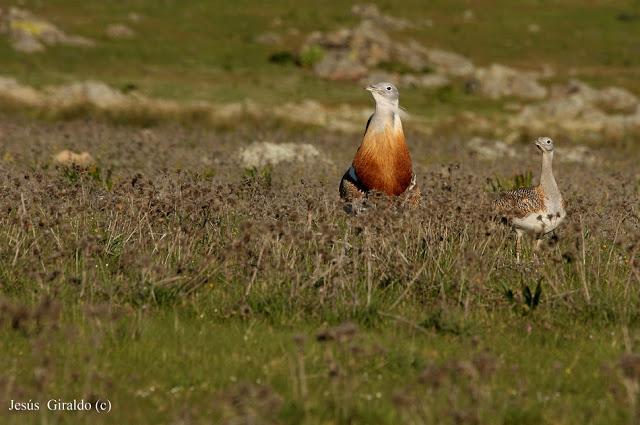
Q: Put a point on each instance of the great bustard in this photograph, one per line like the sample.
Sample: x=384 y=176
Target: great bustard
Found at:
x=536 y=210
x=382 y=161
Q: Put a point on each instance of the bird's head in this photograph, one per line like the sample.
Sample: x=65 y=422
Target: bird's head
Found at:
x=545 y=144
x=385 y=94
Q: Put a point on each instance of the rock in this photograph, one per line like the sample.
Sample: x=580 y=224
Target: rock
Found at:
x=500 y=81
x=377 y=76
x=574 y=88
x=307 y=112
x=570 y=114
x=578 y=154
x=616 y=127
x=350 y=53
x=134 y=17
x=371 y=12
x=94 y=93
x=370 y=45
x=533 y=28
x=490 y=149
x=368 y=10
x=25 y=42
x=276 y=22
x=339 y=65
x=310 y=112
x=449 y=63
x=413 y=55
x=13 y=91
x=268 y=38
x=468 y=15
x=119 y=31
x=338 y=39
x=69 y=159
x=29 y=33
x=617 y=99
x=512 y=107
x=235 y=110
x=546 y=71
x=260 y=154
x=426 y=22
x=343 y=118
x=427 y=81
x=472 y=120
x=614 y=99
x=576 y=108
x=565 y=108
x=512 y=137
x=632 y=122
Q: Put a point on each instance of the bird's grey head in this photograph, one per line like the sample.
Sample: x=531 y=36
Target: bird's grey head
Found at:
x=384 y=94
x=545 y=144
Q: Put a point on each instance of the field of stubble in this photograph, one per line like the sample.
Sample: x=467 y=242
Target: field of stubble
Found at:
x=188 y=290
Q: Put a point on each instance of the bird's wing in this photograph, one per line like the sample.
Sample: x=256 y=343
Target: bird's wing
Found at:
x=368 y=122
x=351 y=187
x=519 y=203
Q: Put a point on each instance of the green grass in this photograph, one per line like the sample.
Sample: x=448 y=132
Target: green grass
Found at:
x=161 y=366
x=184 y=288
x=199 y=49
x=188 y=290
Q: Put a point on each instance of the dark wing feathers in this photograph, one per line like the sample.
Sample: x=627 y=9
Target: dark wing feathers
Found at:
x=351 y=187
x=368 y=122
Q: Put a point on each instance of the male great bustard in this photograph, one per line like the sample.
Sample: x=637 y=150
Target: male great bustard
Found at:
x=382 y=161
x=536 y=210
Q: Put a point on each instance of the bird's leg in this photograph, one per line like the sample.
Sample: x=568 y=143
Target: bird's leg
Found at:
x=412 y=195
x=358 y=206
x=518 y=245
x=537 y=244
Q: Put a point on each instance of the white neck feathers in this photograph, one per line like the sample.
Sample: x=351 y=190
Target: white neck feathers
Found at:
x=547 y=180
x=385 y=105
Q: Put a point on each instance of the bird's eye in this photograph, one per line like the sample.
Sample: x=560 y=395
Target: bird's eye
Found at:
x=548 y=142
x=389 y=88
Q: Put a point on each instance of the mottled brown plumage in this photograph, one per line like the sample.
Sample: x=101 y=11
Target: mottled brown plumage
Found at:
x=520 y=202
x=536 y=210
x=350 y=190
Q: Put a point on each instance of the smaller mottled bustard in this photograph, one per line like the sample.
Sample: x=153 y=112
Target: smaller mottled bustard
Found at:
x=536 y=210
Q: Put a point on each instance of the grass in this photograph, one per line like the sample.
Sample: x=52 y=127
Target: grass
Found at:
x=177 y=362
x=183 y=288
x=188 y=290
x=200 y=50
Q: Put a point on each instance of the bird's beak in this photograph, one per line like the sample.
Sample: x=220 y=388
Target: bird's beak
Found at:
x=370 y=88
x=539 y=146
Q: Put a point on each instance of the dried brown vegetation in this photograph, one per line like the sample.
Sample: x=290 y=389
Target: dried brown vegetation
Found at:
x=167 y=217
